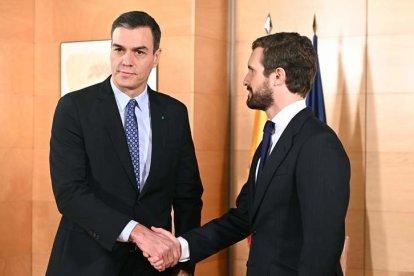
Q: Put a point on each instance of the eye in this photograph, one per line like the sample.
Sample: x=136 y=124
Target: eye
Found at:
x=139 y=52
x=117 y=50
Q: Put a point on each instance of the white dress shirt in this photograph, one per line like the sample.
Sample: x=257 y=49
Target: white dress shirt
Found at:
x=281 y=120
x=142 y=111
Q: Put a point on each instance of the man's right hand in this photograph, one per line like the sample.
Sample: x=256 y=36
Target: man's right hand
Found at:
x=158 y=248
x=158 y=263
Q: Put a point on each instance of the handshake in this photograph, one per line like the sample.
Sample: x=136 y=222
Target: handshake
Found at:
x=159 y=246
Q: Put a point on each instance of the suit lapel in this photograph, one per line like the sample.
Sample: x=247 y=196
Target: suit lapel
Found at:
x=252 y=179
x=276 y=158
x=112 y=121
x=159 y=131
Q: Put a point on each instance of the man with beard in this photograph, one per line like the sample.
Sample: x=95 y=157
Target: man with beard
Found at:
x=296 y=196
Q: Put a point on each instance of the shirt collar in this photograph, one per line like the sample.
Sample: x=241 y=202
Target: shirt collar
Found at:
x=283 y=118
x=123 y=99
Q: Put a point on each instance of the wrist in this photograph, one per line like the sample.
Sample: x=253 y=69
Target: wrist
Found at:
x=137 y=234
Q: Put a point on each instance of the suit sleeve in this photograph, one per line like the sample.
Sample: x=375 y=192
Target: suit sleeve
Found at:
x=187 y=198
x=323 y=174
x=69 y=172
x=221 y=232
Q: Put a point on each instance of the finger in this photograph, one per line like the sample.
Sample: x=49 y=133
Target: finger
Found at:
x=160 y=268
x=171 y=258
x=175 y=254
x=159 y=265
x=162 y=232
x=167 y=252
x=155 y=260
x=164 y=257
x=174 y=248
x=168 y=259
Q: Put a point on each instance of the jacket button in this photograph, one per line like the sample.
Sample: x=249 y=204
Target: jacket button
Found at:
x=254 y=233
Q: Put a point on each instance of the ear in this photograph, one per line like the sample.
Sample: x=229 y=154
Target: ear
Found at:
x=280 y=75
x=157 y=55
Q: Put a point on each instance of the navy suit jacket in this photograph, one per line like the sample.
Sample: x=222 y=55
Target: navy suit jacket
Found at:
x=95 y=188
x=295 y=211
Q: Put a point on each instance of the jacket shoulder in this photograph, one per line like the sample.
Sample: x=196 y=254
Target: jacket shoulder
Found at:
x=167 y=101
x=89 y=92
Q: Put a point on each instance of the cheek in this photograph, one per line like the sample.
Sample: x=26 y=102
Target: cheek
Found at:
x=144 y=67
x=114 y=62
x=258 y=80
x=253 y=82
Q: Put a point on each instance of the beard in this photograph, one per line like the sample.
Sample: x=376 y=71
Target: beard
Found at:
x=262 y=99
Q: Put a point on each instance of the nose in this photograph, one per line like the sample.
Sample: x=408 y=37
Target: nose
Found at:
x=246 y=80
x=127 y=59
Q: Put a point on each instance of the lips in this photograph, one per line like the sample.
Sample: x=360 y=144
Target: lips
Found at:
x=126 y=73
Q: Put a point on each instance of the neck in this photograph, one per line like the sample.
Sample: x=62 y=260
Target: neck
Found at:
x=133 y=93
x=281 y=102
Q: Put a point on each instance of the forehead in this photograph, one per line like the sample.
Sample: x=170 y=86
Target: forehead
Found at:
x=255 y=59
x=130 y=38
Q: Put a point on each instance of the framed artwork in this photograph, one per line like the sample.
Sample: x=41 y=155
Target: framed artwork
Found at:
x=88 y=62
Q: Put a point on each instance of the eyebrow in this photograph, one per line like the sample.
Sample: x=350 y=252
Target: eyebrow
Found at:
x=134 y=49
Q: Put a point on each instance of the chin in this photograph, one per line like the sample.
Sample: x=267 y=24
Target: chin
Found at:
x=124 y=82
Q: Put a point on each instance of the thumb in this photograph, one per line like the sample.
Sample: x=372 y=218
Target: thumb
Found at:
x=161 y=231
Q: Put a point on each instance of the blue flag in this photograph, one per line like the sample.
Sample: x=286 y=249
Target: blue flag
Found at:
x=314 y=99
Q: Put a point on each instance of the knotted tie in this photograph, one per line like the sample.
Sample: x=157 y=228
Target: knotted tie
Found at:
x=267 y=134
x=131 y=131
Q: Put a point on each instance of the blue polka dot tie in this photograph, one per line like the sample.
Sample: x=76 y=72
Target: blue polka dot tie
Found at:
x=131 y=131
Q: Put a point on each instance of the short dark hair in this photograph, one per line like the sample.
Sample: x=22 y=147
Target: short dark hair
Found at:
x=292 y=52
x=135 y=19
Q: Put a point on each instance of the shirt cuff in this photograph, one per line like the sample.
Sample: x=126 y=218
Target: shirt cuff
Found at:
x=124 y=236
x=185 y=250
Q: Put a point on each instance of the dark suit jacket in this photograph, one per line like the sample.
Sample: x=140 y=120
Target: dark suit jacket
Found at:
x=295 y=211
x=95 y=188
